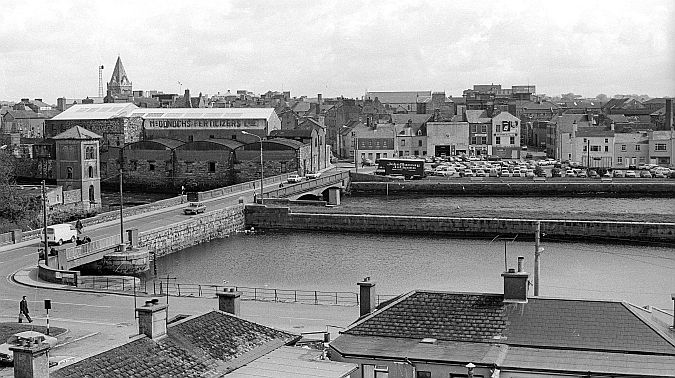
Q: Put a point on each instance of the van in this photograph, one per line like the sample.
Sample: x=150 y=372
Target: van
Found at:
x=61 y=233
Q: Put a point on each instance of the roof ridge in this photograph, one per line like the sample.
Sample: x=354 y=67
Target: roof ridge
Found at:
x=631 y=308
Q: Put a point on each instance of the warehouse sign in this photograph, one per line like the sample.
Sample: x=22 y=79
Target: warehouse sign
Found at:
x=204 y=123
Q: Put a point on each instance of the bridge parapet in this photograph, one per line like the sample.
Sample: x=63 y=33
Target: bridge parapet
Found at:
x=307 y=186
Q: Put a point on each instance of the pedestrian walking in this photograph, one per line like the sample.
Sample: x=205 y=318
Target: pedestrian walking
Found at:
x=79 y=227
x=23 y=310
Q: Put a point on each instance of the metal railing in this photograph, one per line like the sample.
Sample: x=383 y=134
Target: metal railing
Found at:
x=263 y=294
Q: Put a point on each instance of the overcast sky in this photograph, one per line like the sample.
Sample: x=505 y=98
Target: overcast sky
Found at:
x=52 y=49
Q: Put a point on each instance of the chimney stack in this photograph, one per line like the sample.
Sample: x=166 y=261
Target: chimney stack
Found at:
x=669 y=114
x=318 y=106
x=367 y=296
x=152 y=319
x=188 y=102
x=229 y=301
x=31 y=360
x=515 y=284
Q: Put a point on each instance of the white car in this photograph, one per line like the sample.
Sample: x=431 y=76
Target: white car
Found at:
x=630 y=174
x=7 y=356
x=313 y=175
x=294 y=179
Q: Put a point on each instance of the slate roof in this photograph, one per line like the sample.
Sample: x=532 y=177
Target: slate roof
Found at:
x=291 y=133
x=211 y=344
x=119 y=75
x=402 y=97
x=417 y=119
x=77 y=132
x=205 y=113
x=24 y=114
x=294 y=362
x=555 y=323
x=96 y=111
x=477 y=116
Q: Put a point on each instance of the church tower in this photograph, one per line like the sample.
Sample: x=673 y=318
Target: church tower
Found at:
x=119 y=85
x=77 y=166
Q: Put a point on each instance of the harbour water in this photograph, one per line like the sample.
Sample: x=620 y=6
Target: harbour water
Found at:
x=640 y=274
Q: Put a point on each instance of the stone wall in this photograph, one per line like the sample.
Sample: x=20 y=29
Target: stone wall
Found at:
x=194 y=230
x=265 y=217
x=516 y=187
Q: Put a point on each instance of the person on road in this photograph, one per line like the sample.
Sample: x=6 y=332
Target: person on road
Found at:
x=23 y=310
x=79 y=227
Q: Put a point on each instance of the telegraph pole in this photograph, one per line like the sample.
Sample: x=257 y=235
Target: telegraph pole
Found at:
x=537 y=252
x=121 y=213
x=44 y=221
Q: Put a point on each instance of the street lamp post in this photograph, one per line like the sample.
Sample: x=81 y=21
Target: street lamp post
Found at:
x=262 y=172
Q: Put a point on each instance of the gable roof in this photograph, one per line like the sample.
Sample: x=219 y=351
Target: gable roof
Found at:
x=398 y=97
x=77 y=132
x=96 y=111
x=211 y=344
x=477 y=116
x=23 y=114
x=542 y=322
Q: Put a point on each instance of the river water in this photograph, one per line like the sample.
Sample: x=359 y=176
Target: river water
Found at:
x=640 y=274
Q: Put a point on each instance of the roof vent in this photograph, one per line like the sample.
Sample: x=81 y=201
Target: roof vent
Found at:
x=428 y=340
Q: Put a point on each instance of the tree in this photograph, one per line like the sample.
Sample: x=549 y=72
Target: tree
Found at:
x=602 y=97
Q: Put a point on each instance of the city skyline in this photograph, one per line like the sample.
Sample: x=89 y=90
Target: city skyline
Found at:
x=337 y=49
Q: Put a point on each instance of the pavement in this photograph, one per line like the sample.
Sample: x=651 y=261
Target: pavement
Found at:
x=98 y=320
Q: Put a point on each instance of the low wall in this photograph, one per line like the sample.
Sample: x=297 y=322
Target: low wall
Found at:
x=517 y=187
x=59 y=276
x=264 y=217
x=194 y=230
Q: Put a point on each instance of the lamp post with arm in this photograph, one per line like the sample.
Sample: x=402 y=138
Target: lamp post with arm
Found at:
x=262 y=172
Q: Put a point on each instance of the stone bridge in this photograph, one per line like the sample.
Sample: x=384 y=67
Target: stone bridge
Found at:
x=328 y=186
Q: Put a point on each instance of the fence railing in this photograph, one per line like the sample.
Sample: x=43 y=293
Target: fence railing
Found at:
x=264 y=294
x=95 y=246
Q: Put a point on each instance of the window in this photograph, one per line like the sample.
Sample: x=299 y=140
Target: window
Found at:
x=483 y=129
x=585 y=140
x=423 y=374
x=381 y=371
x=660 y=147
x=623 y=147
x=417 y=153
x=595 y=148
x=419 y=143
x=91 y=172
x=424 y=152
x=151 y=165
x=69 y=172
x=419 y=132
x=212 y=136
x=606 y=140
x=585 y=148
x=234 y=136
x=606 y=148
x=90 y=152
x=642 y=159
x=212 y=166
x=637 y=147
x=402 y=142
x=498 y=140
x=619 y=160
x=191 y=138
x=512 y=140
x=473 y=140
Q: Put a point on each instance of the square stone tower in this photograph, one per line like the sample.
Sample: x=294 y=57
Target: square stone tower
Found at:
x=78 y=166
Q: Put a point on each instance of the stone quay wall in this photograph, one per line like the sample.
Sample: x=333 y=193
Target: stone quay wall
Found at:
x=192 y=231
x=281 y=218
x=517 y=187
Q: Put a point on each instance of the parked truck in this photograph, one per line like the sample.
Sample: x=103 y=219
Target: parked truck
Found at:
x=408 y=168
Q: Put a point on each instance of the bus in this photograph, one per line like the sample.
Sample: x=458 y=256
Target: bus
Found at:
x=408 y=168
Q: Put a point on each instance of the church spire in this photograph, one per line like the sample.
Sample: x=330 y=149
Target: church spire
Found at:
x=119 y=84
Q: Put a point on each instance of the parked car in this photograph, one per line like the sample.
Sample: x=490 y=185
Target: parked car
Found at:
x=593 y=174
x=645 y=174
x=570 y=173
x=7 y=356
x=367 y=162
x=466 y=173
x=194 y=208
x=505 y=173
x=659 y=175
x=630 y=174
x=313 y=175
x=61 y=233
x=294 y=178
x=618 y=173
x=480 y=173
x=581 y=173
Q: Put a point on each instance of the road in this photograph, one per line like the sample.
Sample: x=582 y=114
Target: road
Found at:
x=96 y=321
